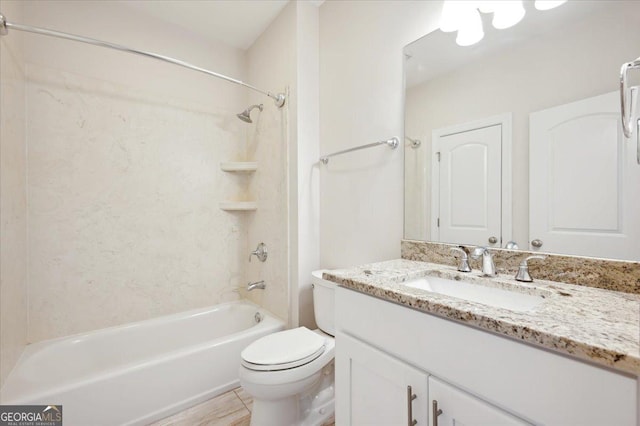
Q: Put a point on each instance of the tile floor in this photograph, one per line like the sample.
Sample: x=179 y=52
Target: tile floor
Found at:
x=229 y=409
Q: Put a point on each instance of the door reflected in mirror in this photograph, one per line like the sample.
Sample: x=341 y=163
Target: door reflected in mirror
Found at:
x=518 y=137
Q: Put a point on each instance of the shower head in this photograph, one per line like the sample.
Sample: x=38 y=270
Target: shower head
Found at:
x=246 y=114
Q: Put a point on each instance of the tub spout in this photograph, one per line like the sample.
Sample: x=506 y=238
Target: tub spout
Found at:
x=258 y=284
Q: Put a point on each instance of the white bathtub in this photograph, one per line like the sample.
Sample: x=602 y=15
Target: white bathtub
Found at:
x=139 y=372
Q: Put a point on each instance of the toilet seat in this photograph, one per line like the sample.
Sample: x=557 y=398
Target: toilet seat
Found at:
x=284 y=350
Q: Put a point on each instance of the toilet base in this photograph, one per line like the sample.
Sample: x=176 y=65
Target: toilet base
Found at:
x=312 y=407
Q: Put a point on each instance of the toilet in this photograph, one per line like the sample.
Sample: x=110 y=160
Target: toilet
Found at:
x=290 y=374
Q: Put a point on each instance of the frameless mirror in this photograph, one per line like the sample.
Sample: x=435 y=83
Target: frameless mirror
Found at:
x=518 y=139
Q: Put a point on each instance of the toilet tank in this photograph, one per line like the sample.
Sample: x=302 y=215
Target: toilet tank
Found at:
x=323 y=304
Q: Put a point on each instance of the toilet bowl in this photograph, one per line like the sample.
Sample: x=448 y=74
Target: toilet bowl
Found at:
x=290 y=374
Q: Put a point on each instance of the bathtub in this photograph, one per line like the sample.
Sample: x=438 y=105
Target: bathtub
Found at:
x=140 y=372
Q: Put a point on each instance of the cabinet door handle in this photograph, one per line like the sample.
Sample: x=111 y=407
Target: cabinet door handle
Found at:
x=435 y=412
x=410 y=397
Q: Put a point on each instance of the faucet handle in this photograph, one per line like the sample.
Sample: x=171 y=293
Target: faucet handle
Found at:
x=523 y=269
x=464 y=260
x=260 y=252
x=528 y=258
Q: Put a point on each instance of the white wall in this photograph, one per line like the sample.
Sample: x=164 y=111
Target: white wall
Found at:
x=124 y=176
x=307 y=177
x=361 y=101
x=13 y=196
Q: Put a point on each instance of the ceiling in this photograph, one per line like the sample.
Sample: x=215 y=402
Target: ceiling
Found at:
x=237 y=23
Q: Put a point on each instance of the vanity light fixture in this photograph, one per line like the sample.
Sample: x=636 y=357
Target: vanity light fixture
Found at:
x=508 y=14
x=449 y=16
x=505 y=13
x=470 y=31
x=463 y=16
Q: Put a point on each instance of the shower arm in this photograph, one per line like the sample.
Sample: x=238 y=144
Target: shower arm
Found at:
x=278 y=98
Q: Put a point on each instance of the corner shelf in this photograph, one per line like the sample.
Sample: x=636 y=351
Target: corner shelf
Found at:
x=239 y=166
x=239 y=206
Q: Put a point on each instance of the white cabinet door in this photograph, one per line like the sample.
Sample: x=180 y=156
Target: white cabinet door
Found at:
x=372 y=387
x=461 y=409
x=584 y=183
x=469 y=188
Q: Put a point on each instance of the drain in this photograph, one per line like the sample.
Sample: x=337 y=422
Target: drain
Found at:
x=258 y=317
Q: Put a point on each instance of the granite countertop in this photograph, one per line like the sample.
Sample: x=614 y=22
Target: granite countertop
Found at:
x=600 y=326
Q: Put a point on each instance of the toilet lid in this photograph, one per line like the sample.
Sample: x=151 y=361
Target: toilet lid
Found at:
x=283 y=350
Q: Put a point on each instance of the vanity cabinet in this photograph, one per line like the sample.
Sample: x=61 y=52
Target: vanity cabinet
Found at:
x=382 y=390
x=477 y=377
x=379 y=389
x=454 y=407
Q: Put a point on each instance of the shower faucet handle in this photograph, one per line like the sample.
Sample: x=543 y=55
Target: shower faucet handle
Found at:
x=260 y=252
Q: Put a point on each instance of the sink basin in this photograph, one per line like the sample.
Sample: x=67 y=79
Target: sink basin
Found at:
x=491 y=296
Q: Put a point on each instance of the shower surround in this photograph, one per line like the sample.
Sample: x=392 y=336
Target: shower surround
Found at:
x=269 y=66
x=123 y=205
x=124 y=179
x=13 y=200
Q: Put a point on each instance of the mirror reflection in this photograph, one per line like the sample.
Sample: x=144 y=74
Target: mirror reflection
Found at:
x=516 y=140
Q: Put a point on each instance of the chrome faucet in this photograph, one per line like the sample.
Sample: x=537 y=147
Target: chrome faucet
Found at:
x=258 y=284
x=463 y=266
x=488 y=267
x=523 y=269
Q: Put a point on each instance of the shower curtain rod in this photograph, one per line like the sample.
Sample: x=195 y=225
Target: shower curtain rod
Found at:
x=279 y=98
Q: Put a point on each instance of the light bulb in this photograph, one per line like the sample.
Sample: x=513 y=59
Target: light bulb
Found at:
x=548 y=4
x=450 y=19
x=507 y=13
x=488 y=6
x=470 y=31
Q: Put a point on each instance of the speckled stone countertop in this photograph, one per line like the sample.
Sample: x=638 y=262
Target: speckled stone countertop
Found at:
x=609 y=274
x=592 y=324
